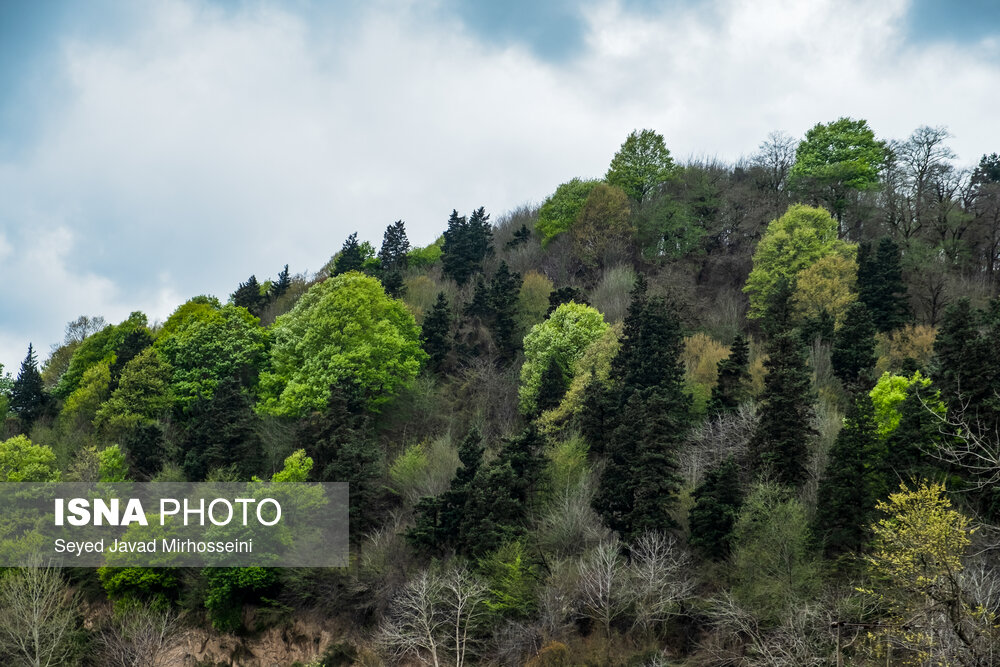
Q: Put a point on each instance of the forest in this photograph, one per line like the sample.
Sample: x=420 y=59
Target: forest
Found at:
x=684 y=414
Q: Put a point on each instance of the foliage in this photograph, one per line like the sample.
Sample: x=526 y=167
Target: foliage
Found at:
x=881 y=286
x=717 y=502
x=142 y=397
x=791 y=243
x=905 y=349
x=27 y=396
x=888 y=394
x=229 y=588
x=296 y=469
x=344 y=328
x=533 y=301
x=512 y=580
x=427 y=256
x=733 y=383
x=827 y=286
x=111 y=465
x=701 y=356
x=853 y=353
x=602 y=233
x=562 y=339
x=23 y=461
x=467 y=242
x=435 y=333
x=640 y=165
x=561 y=208
x=350 y=257
x=95 y=348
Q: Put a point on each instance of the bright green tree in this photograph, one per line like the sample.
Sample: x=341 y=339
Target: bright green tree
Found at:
x=562 y=337
x=561 y=208
x=142 y=398
x=95 y=348
x=343 y=329
x=640 y=165
x=23 y=461
x=888 y=395
x=793 y=242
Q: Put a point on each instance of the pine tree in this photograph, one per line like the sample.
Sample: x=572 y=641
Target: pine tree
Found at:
x=853 y=353
x=281 y=285
x=656 y=473
x=553 y=386
x=597 y=417
x=350 y=257
x=780 y=440
x=248 y=296
x=222 y=432
x=393 y=284
x=881 y=286
x=436 y=333
x=853 y=482
x=732 y=387
x=28 y=399
x=504 y=291
x=392 y=255
x=778 y=314
x=717 y=502
x=965 y=365
x=520 y=237
x=563 y=295
x=467 y=242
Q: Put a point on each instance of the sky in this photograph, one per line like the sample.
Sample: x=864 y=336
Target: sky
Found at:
x=151 y=152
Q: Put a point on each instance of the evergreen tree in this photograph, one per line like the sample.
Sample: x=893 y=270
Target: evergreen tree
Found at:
x=717 y=502
x=563 y=295
x=281 y=285
x=493 y=515
x=395 y=246
x=143 y=447
x=553 y=386
x=881 y=286
x=134 y=342
x=853 y=353
x=393 y=284
x=466 y=243
x=732 y=387
x=966 y=368
x=520 y=237
x=778 y=312
x=248 y=296
x=350 y=257
x=656 y=474
x=780 y=440
x=504 y=291
x=853 y=482
x=820 y=327
x=597 y=418
x=28 y=399
x=222 y=432
x=435 y=333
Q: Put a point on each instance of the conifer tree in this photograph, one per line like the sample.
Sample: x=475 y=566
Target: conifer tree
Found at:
x=435 y=333
x=552 y=388
x=779 y=315
x=392 y=255
x=393 y=284
x=965 y=366
x=853 y=353
x=597 y=418
x=504 y=290
x=350 y=257
x=220 y=432
x=281 y=285
x=779 y=443
x=566 y=294
x=520 y=237
x=28 y=399
x=466 y=243
x=732 y=387
x=133 y=343
x=248 y=296
x=717 y=502
x=656 y=473
x=881 y=286
x=853 y=482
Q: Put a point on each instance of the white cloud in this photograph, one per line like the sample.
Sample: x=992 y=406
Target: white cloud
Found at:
x=208 y=145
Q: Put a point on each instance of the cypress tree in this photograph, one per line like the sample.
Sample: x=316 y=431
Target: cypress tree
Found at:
x=779 y=441
x=881 y=286
x=853 y=482
x=717 y=502
x=732 y=387
x=435 y=333
x=350 y=258
x=28 y=399
x=853 y=353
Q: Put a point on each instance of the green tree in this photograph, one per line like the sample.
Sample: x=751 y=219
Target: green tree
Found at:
x=220 y=432
x=640 y=165
x=350 y=257
x=793 y=242
x=142 y=397
x=27 y=396
x=717 y=502
x=111 y=465
x=435 y=333
x=344 y=328
x=296 y=468
x=23 y=461
x=281 y=285
x=780 y=440
x=251 y=296
x=853 y=353
x=561 y=209
x=826 y=286
x=836 y=158
x=562 y=337
x=467 y=242
x=551 y=387
x=881 y=286
x=733 y=385
x=603 y=232
x=504 y=291
x=392 y=255
x=96 y=348
x=852 y=483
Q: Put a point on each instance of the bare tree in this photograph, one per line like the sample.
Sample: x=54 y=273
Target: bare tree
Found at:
x=38 y=614
x=82 y=327
x=605 y=594
x=716 y=439
x=139 y=636
x=660 y=573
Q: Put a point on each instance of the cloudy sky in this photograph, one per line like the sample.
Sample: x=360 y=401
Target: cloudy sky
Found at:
x=153 y=151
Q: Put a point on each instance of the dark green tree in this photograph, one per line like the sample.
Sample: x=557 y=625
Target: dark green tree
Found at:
x=779 y=445
x=521 y=236
x=656 y=473
x=553 y=386
x=248 y=295
x=133 y=343
x=144 y=450
x=717 y=502
x=566 y=294
x=395 y=246
x=881 y=286
x=778 y=313
x=28 y=399
x=732 y=387
x=597 y=420
x=281 y=285
x=222 y=432
x=435 y=333
x=466 y=243
x=350 y=257
x=504 y=290
x=853 y=482
x=853 y=353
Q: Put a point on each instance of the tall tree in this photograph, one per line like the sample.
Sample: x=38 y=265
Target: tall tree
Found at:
x=853 y=353
x=350 y=257
x=248 y=295
x=467 y=242
x=395 y=246
x=281 y=285
x=780 y=440
x=28 y=399
x=222 y=432
x=504 y=291
x=435 y=333
x=640 y=165
x=717 y=501
x=881 y=286
x=732 y=387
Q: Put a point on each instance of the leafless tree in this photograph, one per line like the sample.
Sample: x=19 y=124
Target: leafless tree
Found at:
x=716 y=439
x=660 y=578
x=139 y=636
x=605 y=594
x=38 y=613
